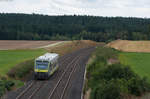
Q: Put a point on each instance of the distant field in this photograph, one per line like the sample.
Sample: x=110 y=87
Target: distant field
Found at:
x=9 y=58
x=139 y=62
x=22 y=44
x=130 y=46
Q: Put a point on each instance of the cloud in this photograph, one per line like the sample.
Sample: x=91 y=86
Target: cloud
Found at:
x=134 y=8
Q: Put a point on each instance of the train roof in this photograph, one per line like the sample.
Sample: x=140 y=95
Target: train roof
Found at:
x=47 y=57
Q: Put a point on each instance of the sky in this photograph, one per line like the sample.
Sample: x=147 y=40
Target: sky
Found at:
x=125 y=8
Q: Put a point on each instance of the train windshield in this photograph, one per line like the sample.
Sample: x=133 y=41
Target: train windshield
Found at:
x=41 y=65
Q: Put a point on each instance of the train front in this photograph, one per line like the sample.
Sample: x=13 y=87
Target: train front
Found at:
x=41 y=70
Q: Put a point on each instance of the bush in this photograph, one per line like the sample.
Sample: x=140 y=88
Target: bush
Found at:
x=106 y=91
x=5 y=85
x=105 y=53
x=117 y=71
x=9 y=84
x=21 y=69
x=125 y=78
x=137 y=86
x=2 y=88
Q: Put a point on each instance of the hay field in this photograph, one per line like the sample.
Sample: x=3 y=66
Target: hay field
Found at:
x=130 y=46
x=24 y=44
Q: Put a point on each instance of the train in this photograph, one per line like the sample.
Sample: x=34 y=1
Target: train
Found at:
x=45 y=65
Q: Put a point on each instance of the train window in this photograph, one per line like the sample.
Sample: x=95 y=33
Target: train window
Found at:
x=45 y=61
x=38 y=61
x=41 y=65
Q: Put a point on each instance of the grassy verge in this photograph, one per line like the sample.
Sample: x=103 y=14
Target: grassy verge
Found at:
x=139 y=62
x=115 y=80
x=14 y=65
x=10 y=58
x=20 y=70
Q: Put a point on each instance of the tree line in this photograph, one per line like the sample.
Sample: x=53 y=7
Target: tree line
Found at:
x=15 y=26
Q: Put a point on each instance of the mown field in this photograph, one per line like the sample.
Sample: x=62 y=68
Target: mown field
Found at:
x=10 y=58
x=130 y=46
x=139 y=62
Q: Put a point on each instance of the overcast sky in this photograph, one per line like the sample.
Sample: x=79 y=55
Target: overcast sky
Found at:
x=127 y=8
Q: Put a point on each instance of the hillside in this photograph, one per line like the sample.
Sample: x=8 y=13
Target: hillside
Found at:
x=130 y=46
x=44 y=27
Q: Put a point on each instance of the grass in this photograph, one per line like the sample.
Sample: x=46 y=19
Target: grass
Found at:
x=139 y=62
x=10 y=58
x=18 y=83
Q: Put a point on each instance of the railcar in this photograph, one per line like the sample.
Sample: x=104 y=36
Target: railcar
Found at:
x=45 y=65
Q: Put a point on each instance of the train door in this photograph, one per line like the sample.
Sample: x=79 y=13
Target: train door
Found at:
x=50 y=67
x=55 y=64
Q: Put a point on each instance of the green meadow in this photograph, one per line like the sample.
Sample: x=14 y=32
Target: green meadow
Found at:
x=139 y=62
x=10 y=58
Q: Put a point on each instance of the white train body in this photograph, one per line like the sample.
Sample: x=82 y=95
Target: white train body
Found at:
x=45 y=65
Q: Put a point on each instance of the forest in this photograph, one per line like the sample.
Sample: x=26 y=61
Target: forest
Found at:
x=14 y=26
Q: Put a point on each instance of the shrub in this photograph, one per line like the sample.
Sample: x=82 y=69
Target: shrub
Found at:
x=9 y=84
x=106 y=91
x=2 y=88
x=105 y=53
x=123 y=76
x=137 y=86
x=5 y=85
x=117 y=71
x=21 y=69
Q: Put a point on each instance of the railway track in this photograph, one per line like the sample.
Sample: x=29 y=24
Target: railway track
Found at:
x=54 y=93
x=73 y=88
x=60 y=88
x=37 y=89
x=24 y=91
x=70 y=71
x=33 y=83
